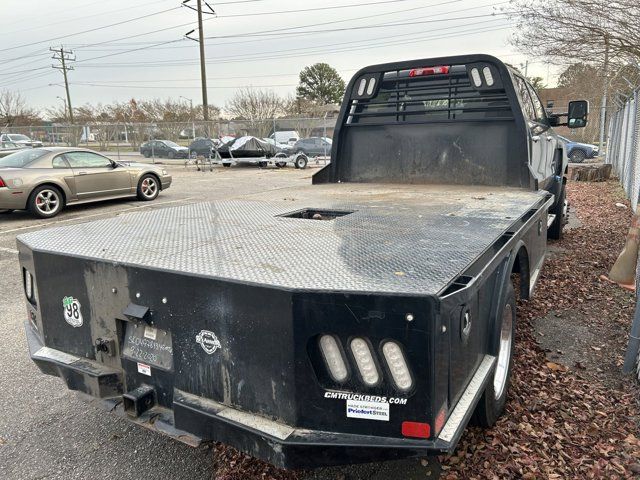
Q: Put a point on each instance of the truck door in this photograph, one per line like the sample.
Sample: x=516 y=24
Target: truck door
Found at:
x=538 y=132
x=551 y=138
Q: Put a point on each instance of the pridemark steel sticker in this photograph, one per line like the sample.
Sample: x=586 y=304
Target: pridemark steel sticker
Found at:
x=368 y=410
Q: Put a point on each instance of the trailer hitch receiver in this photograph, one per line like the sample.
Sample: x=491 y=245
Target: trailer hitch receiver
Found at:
x=138 y=401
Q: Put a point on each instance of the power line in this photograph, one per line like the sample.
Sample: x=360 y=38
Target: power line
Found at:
x=90 y=30
x=75 y=19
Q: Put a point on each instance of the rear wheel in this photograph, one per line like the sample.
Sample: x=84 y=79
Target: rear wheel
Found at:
x=226 y=164
x=577 y=156
x=146 y=154
x=493 y=399
x=148 y=188
x=263 y=164
x=46 y=201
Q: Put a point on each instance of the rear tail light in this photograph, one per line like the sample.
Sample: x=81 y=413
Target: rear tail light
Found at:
x=2 y=184
x=397 y=366
x=419 y=72
x=333 y=358
x=364 y=361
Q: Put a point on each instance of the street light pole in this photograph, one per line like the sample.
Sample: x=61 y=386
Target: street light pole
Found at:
x=193 y=120
x=64 y=102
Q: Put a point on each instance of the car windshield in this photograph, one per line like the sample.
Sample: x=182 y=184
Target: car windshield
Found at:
x=22 y=158
x=171 y=144
x=17 y=138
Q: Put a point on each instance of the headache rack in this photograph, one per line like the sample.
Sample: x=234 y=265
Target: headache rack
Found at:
x=424 y=95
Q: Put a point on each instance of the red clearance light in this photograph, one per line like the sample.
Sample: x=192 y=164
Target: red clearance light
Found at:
x=418 y=72
x=2 y=184
x=416 y=429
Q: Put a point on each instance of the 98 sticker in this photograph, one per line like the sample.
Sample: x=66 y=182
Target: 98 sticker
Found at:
x=72 y=311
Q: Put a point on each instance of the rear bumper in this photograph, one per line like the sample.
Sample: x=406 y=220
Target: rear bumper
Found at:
x=193 y=419
x=13 y=199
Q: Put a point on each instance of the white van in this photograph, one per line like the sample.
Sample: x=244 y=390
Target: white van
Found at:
x=289 y=137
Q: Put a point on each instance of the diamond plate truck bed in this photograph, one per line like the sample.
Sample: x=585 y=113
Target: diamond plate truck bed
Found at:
x=412 y=240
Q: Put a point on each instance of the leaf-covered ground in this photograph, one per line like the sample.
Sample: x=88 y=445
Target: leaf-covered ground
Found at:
x=573 y=420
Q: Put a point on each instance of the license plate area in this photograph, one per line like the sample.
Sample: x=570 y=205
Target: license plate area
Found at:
x=148 y=345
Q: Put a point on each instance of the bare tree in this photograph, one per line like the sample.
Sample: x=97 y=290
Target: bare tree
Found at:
x=568 y=30
x=600 y=32
x=14 y=110
x=256 y=108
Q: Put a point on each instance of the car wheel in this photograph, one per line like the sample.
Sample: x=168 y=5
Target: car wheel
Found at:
x=226 y=164
x=301 y=161
x=146 y=154
x=263 y=164
x=281 y=164
x=46 y=201
x=148 y=187
x=494 y=398
x=577 y=156
x=171 y=155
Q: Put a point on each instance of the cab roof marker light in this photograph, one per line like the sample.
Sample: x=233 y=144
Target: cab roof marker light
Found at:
x=365 y=362
x=361 y=86
x=488 y=76
x=475 y=76
x=439 y=70
x=397 y=366
x=333 y=358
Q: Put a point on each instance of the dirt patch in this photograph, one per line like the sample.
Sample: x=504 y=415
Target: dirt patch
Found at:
x=572 y=341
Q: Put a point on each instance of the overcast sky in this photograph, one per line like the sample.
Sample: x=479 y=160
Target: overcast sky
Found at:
x=260 y=43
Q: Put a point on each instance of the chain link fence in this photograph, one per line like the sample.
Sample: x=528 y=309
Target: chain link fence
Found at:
x=623 y=153
x=623 y=146
x=105 y=136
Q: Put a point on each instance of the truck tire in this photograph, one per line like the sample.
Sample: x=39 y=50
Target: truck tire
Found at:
x=46 y=201
x=577 y=156
x=493 y=399
x=555 y=230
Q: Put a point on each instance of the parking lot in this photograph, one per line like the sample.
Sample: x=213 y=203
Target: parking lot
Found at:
x=45 y=430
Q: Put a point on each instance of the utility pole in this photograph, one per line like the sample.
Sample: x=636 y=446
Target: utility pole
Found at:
x=64 y=56
x=203 y=69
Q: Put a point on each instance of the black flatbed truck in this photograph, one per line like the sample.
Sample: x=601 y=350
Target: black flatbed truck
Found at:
x=367 y=317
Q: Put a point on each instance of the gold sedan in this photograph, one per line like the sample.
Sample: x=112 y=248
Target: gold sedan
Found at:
x=45 y=180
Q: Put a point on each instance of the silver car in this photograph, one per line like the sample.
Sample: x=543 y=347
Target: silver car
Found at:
x=45 y=180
